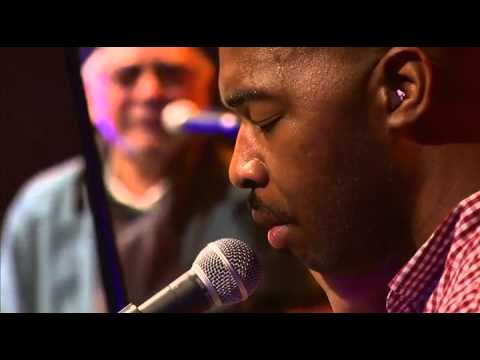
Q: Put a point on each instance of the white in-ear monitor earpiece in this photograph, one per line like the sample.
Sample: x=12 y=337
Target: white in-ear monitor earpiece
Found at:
x=397 y=98
x=401 y=95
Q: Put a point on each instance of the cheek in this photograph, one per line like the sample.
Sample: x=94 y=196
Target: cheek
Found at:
x=311 y=156
x=117 y=104
x=300 y=153
x=106 y=102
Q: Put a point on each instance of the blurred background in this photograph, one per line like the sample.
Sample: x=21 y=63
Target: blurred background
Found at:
x=36 y=106
x=168 y=195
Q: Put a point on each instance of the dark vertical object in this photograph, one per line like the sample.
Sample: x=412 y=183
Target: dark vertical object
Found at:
x=108 y=256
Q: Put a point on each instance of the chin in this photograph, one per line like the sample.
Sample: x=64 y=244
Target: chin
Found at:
x=157 y=150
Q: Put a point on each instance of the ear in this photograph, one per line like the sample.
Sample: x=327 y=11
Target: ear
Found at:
x=403 y=84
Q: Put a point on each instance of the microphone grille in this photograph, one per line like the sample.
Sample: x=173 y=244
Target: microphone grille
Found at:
x=232 y=269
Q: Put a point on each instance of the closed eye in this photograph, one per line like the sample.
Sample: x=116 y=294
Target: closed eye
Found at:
x=268 y=124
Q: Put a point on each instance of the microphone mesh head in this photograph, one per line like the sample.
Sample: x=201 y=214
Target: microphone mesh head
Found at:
x=230 y=265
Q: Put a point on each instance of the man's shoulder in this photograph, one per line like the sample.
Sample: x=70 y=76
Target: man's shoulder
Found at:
x=461 y=279
x=465 y=243
x=462 y=274
x=47 y=187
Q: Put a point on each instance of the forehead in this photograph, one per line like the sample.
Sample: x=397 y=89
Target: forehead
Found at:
x=108 y=59
x=272 y=69
x=244 y=62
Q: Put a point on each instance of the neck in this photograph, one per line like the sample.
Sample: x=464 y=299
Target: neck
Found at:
x=442 y=177
x=448 y=174
x=140 y=173
x=357 y=293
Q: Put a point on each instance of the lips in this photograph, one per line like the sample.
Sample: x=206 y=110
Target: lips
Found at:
x=277 y=229
x=278 y=236
x=265 y=218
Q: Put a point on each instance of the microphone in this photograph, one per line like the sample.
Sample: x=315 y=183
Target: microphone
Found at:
x=185 y=117
x=225 y=272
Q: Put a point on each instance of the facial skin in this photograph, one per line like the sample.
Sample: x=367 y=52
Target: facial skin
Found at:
x=319 y=165
x=127 y=88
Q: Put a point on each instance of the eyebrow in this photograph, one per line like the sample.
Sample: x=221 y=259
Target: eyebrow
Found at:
x=241 y=97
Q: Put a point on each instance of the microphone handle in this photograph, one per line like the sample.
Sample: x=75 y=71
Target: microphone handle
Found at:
x=184 y=295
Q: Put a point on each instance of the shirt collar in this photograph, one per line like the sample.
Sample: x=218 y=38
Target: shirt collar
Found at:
x=120 y=192
x=415 y=282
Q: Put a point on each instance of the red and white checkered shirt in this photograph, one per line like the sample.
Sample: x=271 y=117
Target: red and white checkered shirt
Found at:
x=444 y=274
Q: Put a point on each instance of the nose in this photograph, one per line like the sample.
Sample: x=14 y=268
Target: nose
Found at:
x=247 y=170
x=148 y=87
